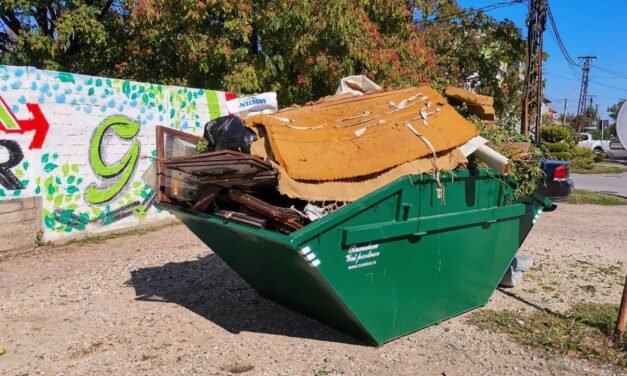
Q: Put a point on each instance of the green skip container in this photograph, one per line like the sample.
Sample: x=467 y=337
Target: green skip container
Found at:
x=395 y=261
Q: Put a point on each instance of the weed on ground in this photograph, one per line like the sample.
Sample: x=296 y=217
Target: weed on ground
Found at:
x=585 y=331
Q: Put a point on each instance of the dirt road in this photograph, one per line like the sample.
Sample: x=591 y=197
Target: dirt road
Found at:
x=162 y=304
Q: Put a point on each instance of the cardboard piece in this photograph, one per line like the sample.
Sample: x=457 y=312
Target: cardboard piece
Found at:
x=346 y=137
x=352 y=189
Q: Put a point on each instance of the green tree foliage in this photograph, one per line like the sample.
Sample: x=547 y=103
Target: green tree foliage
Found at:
x=613 y=109
x=588 y=118
x=77 y=36
x=298 y=48
x=474 y=50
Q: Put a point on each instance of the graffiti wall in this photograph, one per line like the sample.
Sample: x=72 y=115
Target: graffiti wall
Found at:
x=82 y=143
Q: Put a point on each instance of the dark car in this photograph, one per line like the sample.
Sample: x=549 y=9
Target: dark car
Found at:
x=559 y=184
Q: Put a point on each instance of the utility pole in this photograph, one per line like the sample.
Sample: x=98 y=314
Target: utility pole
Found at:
x=532 y=91
x=583 y=93
x=564 y=113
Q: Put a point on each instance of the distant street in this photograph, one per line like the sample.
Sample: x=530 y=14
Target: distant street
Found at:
x=615 y=184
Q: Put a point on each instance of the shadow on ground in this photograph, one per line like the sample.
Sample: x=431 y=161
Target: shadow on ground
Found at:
x=208 y=287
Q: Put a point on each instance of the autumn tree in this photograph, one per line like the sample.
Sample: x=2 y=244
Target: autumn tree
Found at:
x=300 y=49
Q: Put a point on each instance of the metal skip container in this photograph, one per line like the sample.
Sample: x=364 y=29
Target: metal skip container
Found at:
x=397 y=260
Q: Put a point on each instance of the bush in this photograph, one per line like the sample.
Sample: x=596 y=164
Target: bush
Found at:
x=560 y=156
x=598 y=157
x=554 y=133
x=581 y=157
x=556 y=147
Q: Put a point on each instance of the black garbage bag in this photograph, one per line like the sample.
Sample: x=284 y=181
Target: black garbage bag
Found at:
x=228 y=132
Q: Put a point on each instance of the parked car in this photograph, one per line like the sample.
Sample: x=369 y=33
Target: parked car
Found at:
x=597 y=146
x=615 y=144
x=559 y=185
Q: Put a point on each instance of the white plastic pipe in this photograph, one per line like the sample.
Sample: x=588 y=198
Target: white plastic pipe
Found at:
x=493 y=159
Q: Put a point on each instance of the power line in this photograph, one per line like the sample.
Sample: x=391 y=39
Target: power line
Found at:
x=486 y=8
x=609 y=86
x=610 y=78
x=562 y=77
x=612 y=72
x=558 y=38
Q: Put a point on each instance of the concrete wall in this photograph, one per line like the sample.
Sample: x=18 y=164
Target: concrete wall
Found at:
x=80 y=144
x=21 y=223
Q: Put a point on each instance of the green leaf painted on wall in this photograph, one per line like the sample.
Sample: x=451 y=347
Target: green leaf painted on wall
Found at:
x=48 y=221
x=126 y=88
x=50 y=167
x=66 y=77
x=44 y=158
x=72 y=189
x=66 y=169
x=91 y=91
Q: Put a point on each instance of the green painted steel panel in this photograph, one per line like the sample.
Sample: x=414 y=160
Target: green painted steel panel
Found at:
x=393 y=262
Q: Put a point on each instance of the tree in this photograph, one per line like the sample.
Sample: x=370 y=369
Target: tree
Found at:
x=474 y=50
x=80 y=36
x=614 y=109
x=300 y=49
x=570 y=119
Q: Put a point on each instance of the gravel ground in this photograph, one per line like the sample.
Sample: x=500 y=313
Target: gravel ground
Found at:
x=162 y=303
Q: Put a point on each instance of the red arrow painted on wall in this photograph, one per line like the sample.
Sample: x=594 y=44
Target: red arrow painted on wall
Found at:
x=37 y=122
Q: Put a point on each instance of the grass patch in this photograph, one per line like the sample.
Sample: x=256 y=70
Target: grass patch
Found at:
x=585 y=331
x=589 y=289
x=115 y=235
x=586 y=197
x=611 y=270
x=601 y=168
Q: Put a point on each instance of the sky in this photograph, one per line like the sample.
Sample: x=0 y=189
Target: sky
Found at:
x=586 y=28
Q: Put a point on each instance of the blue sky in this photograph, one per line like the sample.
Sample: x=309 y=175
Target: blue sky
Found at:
x=587 y=28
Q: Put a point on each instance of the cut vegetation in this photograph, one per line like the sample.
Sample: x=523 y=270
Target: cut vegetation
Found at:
x=587 y=197
x=585 y=331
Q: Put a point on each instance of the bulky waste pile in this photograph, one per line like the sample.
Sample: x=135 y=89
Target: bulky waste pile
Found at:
x=280 y=171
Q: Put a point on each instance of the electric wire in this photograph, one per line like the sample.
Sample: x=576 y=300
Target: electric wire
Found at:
x=558 y=38
x=623 y=89
x=612 y=72
x=486 y=8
